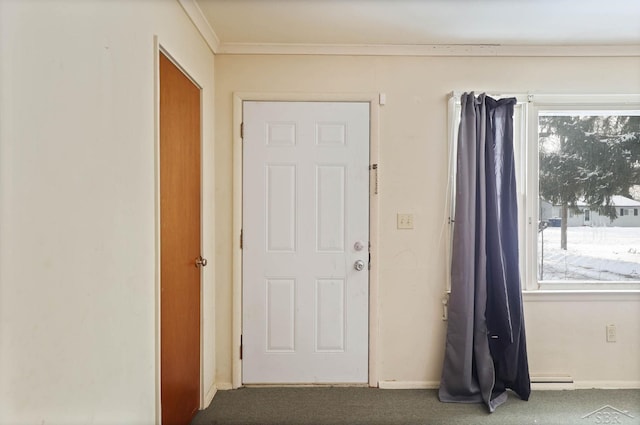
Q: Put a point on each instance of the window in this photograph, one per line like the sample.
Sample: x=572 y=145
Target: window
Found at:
x=588 y=158
x=578 y=177
x=584 y=157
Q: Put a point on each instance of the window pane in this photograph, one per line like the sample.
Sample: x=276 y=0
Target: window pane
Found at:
x=589 y=181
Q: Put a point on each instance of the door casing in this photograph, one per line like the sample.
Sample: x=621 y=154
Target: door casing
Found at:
x=374 y=112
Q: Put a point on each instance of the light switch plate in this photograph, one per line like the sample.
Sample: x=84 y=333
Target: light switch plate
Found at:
x=405 y=221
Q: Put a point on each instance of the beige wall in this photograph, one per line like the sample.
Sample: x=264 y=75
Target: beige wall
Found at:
x=78 y=207
x=566 y=333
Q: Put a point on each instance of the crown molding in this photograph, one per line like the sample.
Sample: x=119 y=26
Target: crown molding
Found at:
x=428 y=50
x=201 y=23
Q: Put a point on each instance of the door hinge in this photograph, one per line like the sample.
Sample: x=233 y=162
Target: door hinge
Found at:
x=242 y=130
x=240 y=347
x=241 y=239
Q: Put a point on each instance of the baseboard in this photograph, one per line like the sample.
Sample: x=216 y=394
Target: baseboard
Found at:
x=224 y=386
x=208 y=398
x=538 y=383
x=608 y=385
x=409 y=385
x=559 y=382
x=546 y=383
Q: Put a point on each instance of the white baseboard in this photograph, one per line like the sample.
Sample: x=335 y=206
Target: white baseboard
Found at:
x=208 y=398
x=544 y=383
x=224 y=386
x=608 y=385
x=537 y=384
x=409 y=385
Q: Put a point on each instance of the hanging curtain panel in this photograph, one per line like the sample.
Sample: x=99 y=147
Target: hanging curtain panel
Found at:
x=485 y=351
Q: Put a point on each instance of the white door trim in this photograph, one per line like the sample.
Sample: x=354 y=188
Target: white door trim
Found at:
x=374 y=111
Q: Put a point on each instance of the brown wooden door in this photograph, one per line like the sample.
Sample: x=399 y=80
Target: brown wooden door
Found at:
x=179 y=245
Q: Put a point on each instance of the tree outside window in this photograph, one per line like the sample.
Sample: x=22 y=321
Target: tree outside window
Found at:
x=587 y=164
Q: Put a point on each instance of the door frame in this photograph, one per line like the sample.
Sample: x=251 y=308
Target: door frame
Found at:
x=374 y=138
x=207 y=224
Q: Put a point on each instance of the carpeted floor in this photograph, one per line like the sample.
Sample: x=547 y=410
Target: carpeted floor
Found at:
x=371 y=406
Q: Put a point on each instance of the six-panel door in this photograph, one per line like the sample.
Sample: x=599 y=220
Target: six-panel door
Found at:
x=305 y=226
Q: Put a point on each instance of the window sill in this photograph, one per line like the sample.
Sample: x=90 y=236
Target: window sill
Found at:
x=544 y=295
x=630 y=295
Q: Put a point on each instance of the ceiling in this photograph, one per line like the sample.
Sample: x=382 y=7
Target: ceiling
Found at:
x=424 y=22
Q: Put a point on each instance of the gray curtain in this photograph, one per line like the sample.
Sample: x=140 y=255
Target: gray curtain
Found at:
x=485 y=350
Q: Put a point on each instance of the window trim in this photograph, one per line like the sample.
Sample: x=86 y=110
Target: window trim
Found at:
x=548 y=103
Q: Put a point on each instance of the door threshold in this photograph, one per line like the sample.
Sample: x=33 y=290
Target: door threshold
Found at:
x=339 y=385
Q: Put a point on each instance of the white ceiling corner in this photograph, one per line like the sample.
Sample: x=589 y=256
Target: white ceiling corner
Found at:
x=422 y=27
x=201 y=22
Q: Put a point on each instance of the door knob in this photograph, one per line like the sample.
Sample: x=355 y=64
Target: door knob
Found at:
x=201 y=262
x=358 y=265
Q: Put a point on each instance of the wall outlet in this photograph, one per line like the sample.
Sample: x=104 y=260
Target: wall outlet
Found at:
x=611 y=333
x=405 y=221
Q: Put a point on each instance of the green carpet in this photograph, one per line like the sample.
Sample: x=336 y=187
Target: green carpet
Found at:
x=371 y=406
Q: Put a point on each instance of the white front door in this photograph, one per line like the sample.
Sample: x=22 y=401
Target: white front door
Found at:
x=305 y=229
